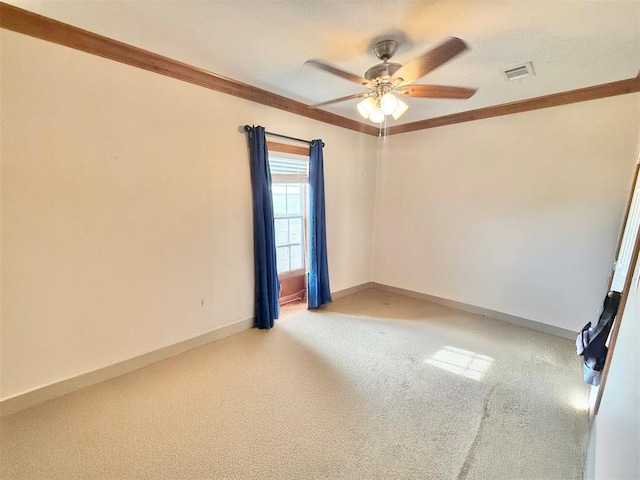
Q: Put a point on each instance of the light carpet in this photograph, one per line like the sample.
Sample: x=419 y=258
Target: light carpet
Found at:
x=376 y=386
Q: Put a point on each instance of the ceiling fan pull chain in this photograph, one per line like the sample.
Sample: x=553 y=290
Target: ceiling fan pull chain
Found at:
x=384 y=133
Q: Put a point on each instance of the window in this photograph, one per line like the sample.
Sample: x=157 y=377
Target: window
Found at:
x=288 y=209
x=289 y=190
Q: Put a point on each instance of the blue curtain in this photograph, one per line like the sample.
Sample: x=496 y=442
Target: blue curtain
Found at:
x=267 y=288
x=319 y=292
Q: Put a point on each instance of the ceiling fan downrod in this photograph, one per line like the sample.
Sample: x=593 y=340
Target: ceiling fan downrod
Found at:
x=380 y=73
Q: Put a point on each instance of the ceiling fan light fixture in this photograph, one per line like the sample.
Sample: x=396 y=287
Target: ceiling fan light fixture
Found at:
x=366 y=106
x=389 y=103
x=402 y=107
x=374 y=110
x=377 y=115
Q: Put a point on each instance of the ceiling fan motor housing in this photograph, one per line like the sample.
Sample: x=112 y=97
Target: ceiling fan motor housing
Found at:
x=384 y=50
x=381 y=71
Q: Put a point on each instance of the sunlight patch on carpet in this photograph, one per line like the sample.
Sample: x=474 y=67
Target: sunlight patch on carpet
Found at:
x=578 y=399
x=461 y=362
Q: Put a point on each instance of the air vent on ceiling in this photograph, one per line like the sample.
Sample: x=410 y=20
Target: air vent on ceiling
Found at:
x=516 y=73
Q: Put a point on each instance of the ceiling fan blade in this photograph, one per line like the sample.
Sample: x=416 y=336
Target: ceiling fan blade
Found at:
x=340 y=73
x=420 y=66
x=436 y=91
x=341 y=99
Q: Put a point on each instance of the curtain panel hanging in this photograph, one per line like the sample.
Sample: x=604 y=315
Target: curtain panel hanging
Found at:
x=318 y=288
x=267 y=288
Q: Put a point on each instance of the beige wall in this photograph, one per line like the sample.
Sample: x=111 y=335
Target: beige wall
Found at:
x=126 y=210
x=519 y=214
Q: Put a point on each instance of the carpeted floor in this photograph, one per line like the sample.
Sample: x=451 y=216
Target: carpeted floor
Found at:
x=376 y=386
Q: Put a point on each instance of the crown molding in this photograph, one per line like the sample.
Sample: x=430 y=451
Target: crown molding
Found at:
x=34 y=25
x=38 y=26
x=604 y=90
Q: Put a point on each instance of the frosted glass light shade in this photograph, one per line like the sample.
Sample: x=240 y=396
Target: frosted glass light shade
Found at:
x=400 y=109
x=377 y=115
x=366 y=106
x=388 y=103
x=369 y=108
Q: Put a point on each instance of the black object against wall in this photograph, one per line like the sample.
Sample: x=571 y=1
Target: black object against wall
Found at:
x=591 y=341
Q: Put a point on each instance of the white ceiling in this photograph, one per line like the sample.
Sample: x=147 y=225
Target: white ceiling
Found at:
x=571 y=43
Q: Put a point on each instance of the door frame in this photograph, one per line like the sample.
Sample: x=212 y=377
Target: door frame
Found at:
x=613 y=336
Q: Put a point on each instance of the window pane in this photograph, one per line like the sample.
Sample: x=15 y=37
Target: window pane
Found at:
x=279 y=204
x=296 y=257
x=278 y=189
x=295 y=230
x=294 y=200
x=282 y=258
x=293 y=205
x=282 y=231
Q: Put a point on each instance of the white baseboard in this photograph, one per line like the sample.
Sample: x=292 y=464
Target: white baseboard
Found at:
x=63 y=387
x=485 y=312
x=49 y=392
x=351 y=290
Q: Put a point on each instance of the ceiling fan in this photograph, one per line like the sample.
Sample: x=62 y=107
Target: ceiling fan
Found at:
x=387 y=81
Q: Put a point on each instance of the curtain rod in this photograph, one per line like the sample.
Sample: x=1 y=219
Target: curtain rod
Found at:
x=248 y=128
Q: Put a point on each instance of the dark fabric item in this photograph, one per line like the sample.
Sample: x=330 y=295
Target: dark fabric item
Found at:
x=319 y=292
x=591 y=341
x=267 y=288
